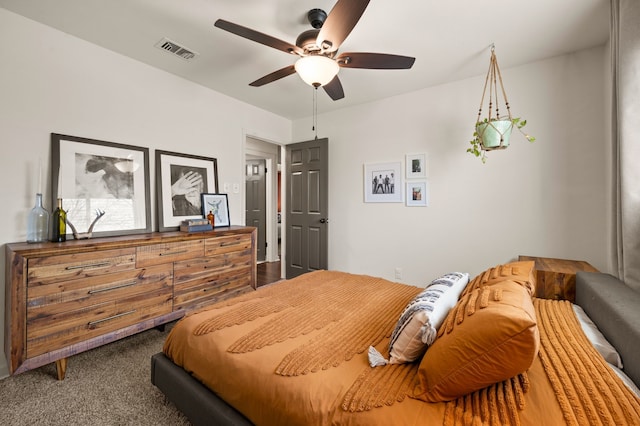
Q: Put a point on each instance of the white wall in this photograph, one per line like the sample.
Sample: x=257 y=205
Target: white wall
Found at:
x=53 y=82
x=543 y=199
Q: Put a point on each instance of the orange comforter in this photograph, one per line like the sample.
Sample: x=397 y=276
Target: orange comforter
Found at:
x=295 y=353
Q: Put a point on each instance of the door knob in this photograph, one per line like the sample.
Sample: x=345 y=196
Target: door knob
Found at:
x=323 y=220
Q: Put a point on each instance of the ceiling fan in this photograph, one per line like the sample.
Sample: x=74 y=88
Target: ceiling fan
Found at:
x=319 y=61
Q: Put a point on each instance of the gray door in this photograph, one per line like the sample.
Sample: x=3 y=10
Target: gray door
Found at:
x=256 y=202
x=307 y=206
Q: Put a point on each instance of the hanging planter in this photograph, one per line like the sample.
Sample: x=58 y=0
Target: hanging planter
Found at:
x=494 y=131
x=494 y=134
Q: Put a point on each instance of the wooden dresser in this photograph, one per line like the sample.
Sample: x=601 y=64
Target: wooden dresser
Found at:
x=66 y=298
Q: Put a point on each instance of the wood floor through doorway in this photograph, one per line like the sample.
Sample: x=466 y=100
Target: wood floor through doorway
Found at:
x=268 y=272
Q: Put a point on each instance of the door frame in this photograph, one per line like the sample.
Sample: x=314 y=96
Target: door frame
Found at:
x=251 y=150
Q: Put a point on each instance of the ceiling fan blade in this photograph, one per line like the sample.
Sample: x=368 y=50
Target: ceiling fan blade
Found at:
x=339 y=23
x=334 y=89
x=375 y=61
x=258 y=37
x=276 y=75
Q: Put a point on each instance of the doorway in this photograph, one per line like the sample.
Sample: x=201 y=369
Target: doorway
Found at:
x=256 y=202
x=262 y=204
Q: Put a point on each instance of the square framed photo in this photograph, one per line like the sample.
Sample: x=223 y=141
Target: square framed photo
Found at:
x=416 y=166
x=94 y=177
x=218 y=205
x=383 y=183
x=180 y=181
x=417 y=194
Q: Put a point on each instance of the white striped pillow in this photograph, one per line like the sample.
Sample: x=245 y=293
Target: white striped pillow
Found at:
x=418 y=325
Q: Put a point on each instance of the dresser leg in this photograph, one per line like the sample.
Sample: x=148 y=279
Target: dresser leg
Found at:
x=61 y=368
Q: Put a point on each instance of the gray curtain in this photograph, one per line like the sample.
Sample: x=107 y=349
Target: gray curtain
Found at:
x=625 y=123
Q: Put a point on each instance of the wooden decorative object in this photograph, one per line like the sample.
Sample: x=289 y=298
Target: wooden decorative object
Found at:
x=556 y=278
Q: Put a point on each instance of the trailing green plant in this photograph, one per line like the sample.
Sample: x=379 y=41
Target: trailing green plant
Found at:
x=478 y=150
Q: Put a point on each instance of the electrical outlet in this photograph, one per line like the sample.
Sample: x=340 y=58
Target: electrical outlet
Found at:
x=226 y=187
x=236 y=188
x=398 y=273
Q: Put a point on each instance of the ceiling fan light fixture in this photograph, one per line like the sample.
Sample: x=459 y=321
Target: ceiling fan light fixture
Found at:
x=316 y=70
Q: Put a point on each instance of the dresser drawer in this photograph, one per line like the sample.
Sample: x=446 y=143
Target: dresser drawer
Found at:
x=204 y=267
x=207 y=280
x=62 y=314
x=227 y=244
x=51 y=269
x=156 y=254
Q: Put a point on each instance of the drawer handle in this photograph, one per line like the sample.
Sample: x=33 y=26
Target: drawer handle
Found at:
x=174 y=252
x=91 y=265
x=96 y=322
x=115 y=287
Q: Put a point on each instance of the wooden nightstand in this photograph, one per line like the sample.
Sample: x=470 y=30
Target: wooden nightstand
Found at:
x=556 y=278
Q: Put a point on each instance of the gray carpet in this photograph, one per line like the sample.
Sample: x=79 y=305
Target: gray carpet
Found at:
x=109 y=385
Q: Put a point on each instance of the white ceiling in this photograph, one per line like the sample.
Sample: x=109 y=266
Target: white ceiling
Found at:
x=449 y=39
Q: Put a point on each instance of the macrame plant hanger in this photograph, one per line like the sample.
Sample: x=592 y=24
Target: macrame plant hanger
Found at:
x=502 y=125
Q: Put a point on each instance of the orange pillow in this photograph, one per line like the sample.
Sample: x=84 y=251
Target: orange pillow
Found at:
x=490 y=336
x=522 y=272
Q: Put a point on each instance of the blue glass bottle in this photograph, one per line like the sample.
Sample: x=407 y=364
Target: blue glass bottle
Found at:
x=38 y=223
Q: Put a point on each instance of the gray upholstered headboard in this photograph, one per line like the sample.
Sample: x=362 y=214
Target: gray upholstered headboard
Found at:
x=615 y=308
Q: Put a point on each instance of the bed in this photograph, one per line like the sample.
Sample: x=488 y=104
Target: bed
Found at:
x=324 y=348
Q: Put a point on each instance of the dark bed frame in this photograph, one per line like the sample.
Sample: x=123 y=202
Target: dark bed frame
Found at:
x=192 y=398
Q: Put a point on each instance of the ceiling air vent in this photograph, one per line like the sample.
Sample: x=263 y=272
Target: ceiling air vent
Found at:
x=173 y=47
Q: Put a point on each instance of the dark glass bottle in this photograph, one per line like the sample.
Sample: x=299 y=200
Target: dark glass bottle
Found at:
x=59 y=224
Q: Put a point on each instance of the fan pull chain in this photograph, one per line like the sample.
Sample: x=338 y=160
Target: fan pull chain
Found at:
x=315 y=111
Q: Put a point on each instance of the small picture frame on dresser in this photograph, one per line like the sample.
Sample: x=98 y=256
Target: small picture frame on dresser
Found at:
x=218 y=205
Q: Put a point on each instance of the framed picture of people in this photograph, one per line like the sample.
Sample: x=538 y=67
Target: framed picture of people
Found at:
x=180 y=181
x=383 y=183
x=99 y=178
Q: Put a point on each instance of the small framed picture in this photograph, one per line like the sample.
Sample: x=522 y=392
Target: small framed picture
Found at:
x=416 y=166
x=218 y=205
x=383 y=183
x=180 y=181
x=98 y=178
x=417 y=194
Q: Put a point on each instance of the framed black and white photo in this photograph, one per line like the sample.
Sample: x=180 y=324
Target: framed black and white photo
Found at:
x=417 y=193
x=218 y=205
x=180 y=181
x=383 y=183
x=416 y=166
x=93 y=176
